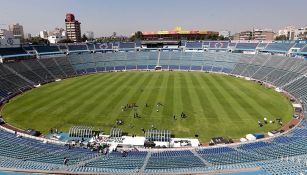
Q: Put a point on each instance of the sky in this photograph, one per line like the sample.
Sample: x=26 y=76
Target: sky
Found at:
x=104 y=17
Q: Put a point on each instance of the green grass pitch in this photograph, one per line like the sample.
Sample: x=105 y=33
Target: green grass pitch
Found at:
x=216 y=105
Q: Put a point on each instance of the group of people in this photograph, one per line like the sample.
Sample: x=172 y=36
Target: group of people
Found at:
x=265 y=121
x=158 y=105
x=136 y=115
x=129 y=106
x=182 y=115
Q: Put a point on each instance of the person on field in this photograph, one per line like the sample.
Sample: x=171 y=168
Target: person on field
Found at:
x=265 y=120
x=259 y=123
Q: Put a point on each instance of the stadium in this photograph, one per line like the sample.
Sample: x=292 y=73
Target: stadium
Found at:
x=202 y=107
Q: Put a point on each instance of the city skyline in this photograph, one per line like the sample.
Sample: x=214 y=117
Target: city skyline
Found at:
x=123 y=17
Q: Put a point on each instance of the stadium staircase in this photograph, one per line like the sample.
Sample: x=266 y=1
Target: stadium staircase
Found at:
x=145 y=162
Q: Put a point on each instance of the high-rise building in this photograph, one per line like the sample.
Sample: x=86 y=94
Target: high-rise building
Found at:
x=17 y=30
x=73 y=30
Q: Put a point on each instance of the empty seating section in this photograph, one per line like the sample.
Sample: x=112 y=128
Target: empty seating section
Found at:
x=65 y=65
x=232 y=45
x=115 y=162
x=63 y=47
x=261 y=45
x=278 y=47
x=246 y=46
x=269 y=155
x=262 y=72
x=254 y=145
x=230 y=157
x=90 y=46
x=47 y=49
x=126 y=45
x=168 y=161
x=12 y=52
x=77 y=48
x=218 y=45
x=103 y=46
x=39 y=70
x=10 y=81
x=84 y=63
x=304 y=50
x=28 y=48
x=33 y=151
x=26 y=71
x=299 y=45
x=217 y=150
x=52 y=67
x=194 y=45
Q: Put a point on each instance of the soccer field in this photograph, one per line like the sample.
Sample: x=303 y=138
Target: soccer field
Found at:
x=215 y=105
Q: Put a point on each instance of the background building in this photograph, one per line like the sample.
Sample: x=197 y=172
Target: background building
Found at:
x=58 y=34
x=17 y=30
x=5 y=34
x=263 y=35
x=288 y=31
x=256 y=34
x=179 y=34
x=245 y=35
x=56 y=38
x=73 y=29
x=43 y=34
x=301 y=34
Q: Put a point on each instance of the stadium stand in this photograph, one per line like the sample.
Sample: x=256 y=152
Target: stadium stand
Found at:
x=285 y=154
x=246 y=46
x=218 y=45
x=304 y=49
x=194 y=45
x=126 y=45
x=103 y=46
x=47 y=50
x=90 y=46
x=13 y=52
x=278 y=47
x=77 y=48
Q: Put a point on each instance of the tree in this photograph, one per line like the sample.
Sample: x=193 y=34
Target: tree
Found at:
x=84 y=38
x=281 y=37
x=213 y=37
x=65 y=41
x=221 y=38
x=37 y=40
x=137 y=36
